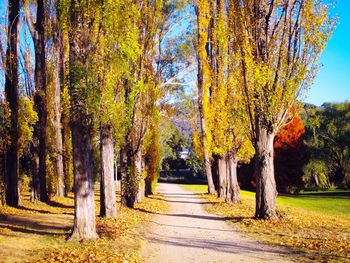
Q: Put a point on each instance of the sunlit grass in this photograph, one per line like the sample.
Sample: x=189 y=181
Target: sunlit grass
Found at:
x=325 y=202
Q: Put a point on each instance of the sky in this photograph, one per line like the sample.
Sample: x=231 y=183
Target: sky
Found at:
x=332 y=84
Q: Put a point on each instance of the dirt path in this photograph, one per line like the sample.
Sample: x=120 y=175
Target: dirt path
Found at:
x=189 y=234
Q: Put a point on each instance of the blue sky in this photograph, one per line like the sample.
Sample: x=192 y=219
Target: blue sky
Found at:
x=332 y=83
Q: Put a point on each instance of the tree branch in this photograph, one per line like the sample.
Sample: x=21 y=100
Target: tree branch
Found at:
x=31 y=25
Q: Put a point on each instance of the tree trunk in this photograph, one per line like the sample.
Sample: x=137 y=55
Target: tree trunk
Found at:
x=202 y=42
x=81 y=126
x=38 y=34
x=84 y=203
x=35 y=187
x=138 y=166
x=148 y=187
x=11 y=92
x=232 y=193
x=130 y=178
x=222 y=170
x=108 y=195
x=57 y=125
x=266 y=192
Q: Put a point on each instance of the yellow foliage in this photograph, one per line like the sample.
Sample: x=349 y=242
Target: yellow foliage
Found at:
x=27 y=117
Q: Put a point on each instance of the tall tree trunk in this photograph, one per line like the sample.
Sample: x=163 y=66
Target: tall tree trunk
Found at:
x=138 y=166
x=108 y=195
x=266 y=192
x=57 y=125
x=222 y=170
x=11 y=92
x=35 y=187
x=232 y=192
x=202 y=44
x=81 y=125
x=129 y=183
x=37 y=31
x=148 y=187
x=215 y=172
x=84 y=204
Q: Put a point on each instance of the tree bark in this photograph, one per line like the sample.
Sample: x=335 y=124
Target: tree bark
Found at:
x=84 y=203
x=57 y=125
x=232 y=192
x=266 y=192
x=138 y=166
x=11 y=92
x=222 y=170
x=130 y=182
x=148 y=187
x=37 y=31
x=108 y=195
x=35 y=187
x=207 y=163
x=81 y=125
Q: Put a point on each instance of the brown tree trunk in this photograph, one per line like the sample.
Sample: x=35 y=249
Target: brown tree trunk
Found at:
x=266 y=192
x=108 y=195
x=207 y=163
x=129 y=184
x=11 y=92
x=138 y=166
x=57 y=125
x=81 y=125
x=84 y=203
x=148 y=187
x=232 y=193
x=35 y=187
x=222 y=171
x=37 y=31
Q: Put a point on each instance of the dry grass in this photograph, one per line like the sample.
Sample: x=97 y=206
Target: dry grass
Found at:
x=38 y=232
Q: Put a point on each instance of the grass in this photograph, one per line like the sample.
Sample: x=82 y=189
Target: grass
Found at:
x=317 y=224
x=325 y=202
x=38 y=232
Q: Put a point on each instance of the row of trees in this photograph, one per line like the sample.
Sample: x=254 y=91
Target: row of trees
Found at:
x=89 y=94
x=96 y=88
x=254 y=59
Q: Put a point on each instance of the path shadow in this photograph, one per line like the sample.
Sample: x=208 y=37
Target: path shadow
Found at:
x=253 y=248
x=44 y=211
x=32 y=225
x=190 y=227
x=57 y=204
x=191 y=202
x=204 y=217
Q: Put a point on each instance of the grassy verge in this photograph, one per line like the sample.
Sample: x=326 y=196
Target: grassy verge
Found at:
x=315 y=225
x=38 y=232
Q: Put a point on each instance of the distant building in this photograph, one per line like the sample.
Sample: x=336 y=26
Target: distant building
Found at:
x=184 y=154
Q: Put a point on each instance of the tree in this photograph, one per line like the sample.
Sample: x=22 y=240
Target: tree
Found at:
x=203 y=19
x=84 y=24
x=278 y=45
x=228 y=142
x=290 y=155
x=12 y=98
x=37 y=31
x=327 y=136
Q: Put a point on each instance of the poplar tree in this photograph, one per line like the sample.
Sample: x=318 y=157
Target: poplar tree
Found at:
x=37 y=31
x=11 y=93
x=278 y=45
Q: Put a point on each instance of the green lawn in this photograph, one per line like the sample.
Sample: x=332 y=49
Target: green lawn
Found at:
x=325 y=202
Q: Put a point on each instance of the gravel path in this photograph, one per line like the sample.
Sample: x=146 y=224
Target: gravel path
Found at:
x=189 y=234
